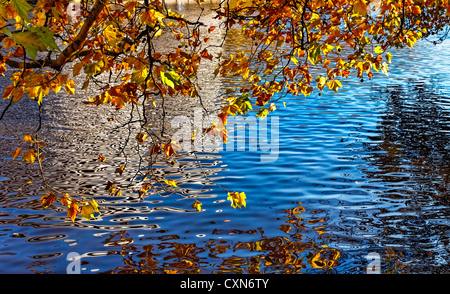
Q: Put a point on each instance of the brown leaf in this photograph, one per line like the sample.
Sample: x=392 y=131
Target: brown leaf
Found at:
x=120 y=169
x=48 y=199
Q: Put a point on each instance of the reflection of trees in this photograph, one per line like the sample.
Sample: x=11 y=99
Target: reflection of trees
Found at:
x=411 y=157
x=286 y=253
x=415 y=140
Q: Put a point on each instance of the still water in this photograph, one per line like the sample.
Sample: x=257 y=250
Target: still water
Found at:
x=362 y=171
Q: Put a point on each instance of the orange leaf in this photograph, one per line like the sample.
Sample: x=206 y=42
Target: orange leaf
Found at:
x=204 y=54
x=17 y=94
x=7 y=91
x=77 y=68
x=9 y=42
x=48 y=199
x=28 y=138
x=29 y=156
x=16 y=153
x=65 y=199
x=144 y=189
x=110 y=187
x=73 y=210
x=360 y=7
x=169 y=150
x=130 y=6
x=416 y=10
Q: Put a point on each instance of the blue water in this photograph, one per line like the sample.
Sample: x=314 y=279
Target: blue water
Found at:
x=364 y=170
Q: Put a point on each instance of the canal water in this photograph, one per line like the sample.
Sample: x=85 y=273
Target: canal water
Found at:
x=342 y=182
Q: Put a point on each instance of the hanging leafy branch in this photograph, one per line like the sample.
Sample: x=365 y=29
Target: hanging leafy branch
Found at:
x=297 y=47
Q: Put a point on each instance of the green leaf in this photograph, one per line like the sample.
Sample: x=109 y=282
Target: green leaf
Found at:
x=22 y=7
x=34 y=40
x=46 y=37
x=170 y=78
x=314 y=53
x=30 y=42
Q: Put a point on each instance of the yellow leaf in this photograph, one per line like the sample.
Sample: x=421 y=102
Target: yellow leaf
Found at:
x=112 y=35
x=29 y=156
x=334 y=85
x=237 y=199
x=70 y=87
x=87 y=211
x=101 y=158
x=378 y=50
x=171 y=183
x=94 y=204
x=294 y=60
x=232 y=109
x=139 y=76
x=197 y=205
x=118 y=193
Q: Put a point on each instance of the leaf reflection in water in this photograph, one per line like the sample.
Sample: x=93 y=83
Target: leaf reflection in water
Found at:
x=286 y=253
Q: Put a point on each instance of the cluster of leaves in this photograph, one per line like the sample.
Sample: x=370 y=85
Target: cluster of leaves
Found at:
x=299 y=45
x=87 y=208
x=112 y=44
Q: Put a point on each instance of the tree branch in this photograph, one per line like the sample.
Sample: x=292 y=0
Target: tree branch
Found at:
x=79 y=40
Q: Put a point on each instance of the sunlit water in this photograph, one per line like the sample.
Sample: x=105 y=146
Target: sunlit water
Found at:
x=365 y=170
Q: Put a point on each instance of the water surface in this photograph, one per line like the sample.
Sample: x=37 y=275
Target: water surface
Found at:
x=365 y=170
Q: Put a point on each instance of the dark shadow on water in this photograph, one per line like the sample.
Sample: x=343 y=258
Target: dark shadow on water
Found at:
x=411 y=155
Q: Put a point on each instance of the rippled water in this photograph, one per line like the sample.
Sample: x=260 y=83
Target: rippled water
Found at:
x=365 y=170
